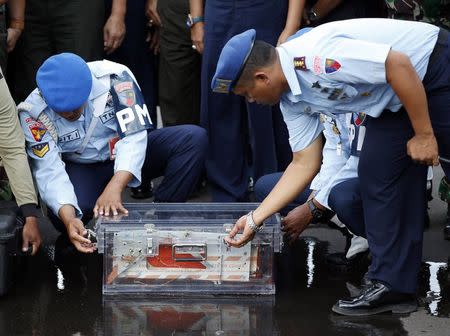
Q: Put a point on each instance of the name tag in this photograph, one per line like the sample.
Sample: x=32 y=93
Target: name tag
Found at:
x=74 y=135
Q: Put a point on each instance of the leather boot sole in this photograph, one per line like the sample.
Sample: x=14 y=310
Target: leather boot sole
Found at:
x=400 y=308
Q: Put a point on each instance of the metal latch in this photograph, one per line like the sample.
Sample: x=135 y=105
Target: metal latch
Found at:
x=189 y=252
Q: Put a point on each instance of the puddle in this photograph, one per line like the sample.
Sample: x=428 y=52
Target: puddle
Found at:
x=67 y=300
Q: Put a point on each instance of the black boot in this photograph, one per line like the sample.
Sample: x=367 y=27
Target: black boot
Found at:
x=375 y=299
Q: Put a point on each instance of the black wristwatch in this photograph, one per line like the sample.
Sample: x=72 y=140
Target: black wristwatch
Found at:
x=319 y=215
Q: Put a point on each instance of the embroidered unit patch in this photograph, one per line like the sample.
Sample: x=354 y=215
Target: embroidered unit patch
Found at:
x=37 y=130
x=40 y=149
x=317 y=65
x=359 y=118
x=299 y=63
x=222 y=85
x=331 y=65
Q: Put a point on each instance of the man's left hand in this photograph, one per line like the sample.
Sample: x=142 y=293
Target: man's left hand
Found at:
x=113 y=33
x=109 y=203
x=12 y=38
x=31 y=235
x=423 y=149
x=296 y=221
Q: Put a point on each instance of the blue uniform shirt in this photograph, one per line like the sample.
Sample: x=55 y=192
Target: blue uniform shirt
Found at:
x=48 y=169
x=339 y=67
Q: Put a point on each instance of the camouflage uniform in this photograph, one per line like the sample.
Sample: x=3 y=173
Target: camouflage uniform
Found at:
x=436 y=12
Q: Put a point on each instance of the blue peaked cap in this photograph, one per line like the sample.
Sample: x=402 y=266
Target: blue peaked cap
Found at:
x=65 y=82
x=232 y=60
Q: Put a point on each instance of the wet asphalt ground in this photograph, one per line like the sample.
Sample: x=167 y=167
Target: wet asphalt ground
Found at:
x=65 y=298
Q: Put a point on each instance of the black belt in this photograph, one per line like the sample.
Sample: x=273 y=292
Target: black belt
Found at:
x=440 y=46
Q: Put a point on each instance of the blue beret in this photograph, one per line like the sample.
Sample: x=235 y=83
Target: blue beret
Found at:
x=232 y=60
x=65 y=82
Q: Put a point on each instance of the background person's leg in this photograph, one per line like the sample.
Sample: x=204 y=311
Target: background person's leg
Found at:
x=265 y=185
x=178 y=154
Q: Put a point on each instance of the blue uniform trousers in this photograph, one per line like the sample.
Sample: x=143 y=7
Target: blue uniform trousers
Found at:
x=265 y=185
x=177 y=153
x=345 y=201
x=393 y=188
x=228 y=119
x=135 y=54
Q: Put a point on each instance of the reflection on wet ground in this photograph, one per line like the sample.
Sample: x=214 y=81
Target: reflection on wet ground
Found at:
x=67 y=300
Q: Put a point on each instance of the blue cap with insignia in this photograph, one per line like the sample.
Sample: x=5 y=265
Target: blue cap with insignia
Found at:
x=232 y=60
x=65 y=82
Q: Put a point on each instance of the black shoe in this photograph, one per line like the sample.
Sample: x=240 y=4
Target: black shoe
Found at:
x=143 y=191
x=356 y=290
x=376 y=299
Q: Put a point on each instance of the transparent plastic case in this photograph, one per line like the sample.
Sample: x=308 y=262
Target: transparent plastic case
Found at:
x=172 y=249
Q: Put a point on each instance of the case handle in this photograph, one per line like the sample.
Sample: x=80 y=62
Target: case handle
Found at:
x=189 y=252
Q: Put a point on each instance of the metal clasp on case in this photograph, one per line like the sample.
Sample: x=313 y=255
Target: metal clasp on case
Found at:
x=189 y=252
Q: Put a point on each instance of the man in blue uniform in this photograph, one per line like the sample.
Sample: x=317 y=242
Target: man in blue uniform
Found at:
x=395 y=80
x=344 y=136
x=89 y=135
x=244 y=140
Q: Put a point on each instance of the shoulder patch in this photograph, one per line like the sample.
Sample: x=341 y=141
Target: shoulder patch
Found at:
x=25 y=107
x=299 y=63
x=37 y=130
x=40 y=149
x=317 y=65
x=331 y=65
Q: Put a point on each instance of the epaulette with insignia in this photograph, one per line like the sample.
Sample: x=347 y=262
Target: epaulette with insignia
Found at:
x=299 y=63
x=24 y=107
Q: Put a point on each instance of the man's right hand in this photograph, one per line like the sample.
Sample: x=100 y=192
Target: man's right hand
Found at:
x=77 y=233
x=31 y=235
x=198 y=36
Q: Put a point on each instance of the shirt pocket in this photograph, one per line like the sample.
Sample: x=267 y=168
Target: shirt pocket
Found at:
x=332 y=94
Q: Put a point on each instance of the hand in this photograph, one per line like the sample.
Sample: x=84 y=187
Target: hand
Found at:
x=152 y=13
x=31 y=235
x=153 y=40
x=305 y=18
x=12 y=38
x=77 y=233
x=296 y=221
x=113 y=33
x=285 y=34
x=423 y=148
x=246 y=236
x=198 y=36
x=109 y=201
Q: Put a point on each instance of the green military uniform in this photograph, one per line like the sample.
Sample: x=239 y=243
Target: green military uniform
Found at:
x=55 y=26
x=436 y=12
x=179 y=66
